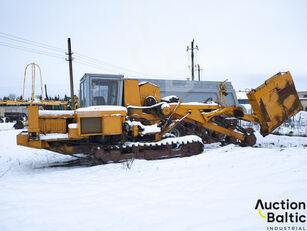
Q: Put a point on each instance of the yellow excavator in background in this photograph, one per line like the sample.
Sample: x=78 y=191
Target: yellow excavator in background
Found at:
x=140 y=128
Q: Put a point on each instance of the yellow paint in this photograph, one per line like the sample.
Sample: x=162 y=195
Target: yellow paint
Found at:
x=33 y=66
x=73 y=133
x=135 y=131
x=23 y=140
x=166 y=111
x=33 y=119
x=111 y=125
x=222 y=90
x=111 y=121
x=52 y=125
x=137 y=114
x=149 y=89
x=131 y=93
x=39 y=103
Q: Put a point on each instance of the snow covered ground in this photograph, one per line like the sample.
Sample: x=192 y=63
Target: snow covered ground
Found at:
x=216 y=190
x=295 y=126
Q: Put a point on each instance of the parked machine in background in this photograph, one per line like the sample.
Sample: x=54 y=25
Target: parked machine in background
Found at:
x=134 y=121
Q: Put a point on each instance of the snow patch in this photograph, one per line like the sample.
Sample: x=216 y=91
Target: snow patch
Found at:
x=295 y=126
x=55 y=112
x=247 y=108
x=164 y=105
x=6 y=126
x=102 y=108
x=169 y=97
x=73 y=125
x=197 y=103
x=147 y=129
x=174 y=140
x=54 y=136
x=144 y=82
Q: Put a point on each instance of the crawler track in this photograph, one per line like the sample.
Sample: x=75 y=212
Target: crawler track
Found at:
x=166 y=148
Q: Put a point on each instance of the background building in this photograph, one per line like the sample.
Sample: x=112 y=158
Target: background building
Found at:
x=303 y=98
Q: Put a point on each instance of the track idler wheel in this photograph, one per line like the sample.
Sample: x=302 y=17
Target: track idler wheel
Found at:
x=103 y=157
x=192 y=149
x=231 y=140
x=19 y=125
x=149 y=101
x=250 y=140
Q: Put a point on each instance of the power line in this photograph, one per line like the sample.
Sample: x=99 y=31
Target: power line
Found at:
x=96 y=64
x=99 y=62
x=99 y=67
x=30 y=42
x=90 y=65
x=77 y=54
x=31 y=50
x=110 y=68
x=83 y=58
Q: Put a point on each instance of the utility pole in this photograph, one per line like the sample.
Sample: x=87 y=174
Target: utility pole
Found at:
x=70 y=74
x=46 y=92
x=192 y=57
x=198 y=71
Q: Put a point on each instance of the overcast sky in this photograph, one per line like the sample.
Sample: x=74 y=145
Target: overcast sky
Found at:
x=243 y=41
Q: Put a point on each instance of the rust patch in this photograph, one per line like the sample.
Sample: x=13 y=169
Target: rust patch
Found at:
x=151 y=152
x=296 y=105
x=285 y=92
x=257 y=120
x=264 y=111
x=277 y=118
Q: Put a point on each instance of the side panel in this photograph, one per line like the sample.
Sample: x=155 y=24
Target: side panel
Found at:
x=275 y=101
x=100 y=122
x=23 y=140
x=33 y=119
x=112 y=125
x=131 y=93
x=149 y=89
x=52 y=125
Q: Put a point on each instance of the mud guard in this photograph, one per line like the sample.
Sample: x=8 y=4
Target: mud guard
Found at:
x=275 y=101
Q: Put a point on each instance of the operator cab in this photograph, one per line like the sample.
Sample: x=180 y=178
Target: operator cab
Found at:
x=101 y=89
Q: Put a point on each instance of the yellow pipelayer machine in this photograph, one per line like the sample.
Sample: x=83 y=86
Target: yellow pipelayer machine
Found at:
x=141 y=127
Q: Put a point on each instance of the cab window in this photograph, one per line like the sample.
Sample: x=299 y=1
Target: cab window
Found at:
x=104 y=92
